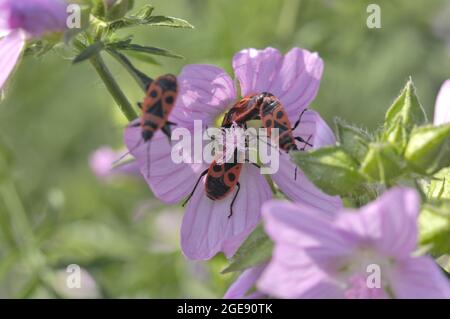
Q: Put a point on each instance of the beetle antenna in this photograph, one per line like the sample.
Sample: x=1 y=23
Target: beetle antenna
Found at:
x=128 y=153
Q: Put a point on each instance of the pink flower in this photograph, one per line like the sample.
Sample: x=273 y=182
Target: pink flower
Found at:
x=242 y=287
x=318 y=256
x=24 y=19
x=102 y=165
x=442 y=107
x=206 y=92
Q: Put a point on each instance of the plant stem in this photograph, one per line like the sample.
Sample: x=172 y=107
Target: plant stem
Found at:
x=112 y=86
x=26 y=242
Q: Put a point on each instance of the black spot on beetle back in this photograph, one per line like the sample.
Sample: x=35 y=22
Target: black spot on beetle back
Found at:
x=167 y=84
x=146 y=135
x=216 y=188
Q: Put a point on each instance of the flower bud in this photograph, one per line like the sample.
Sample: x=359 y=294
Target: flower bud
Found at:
x=352 y=139
x=110 y=10
x=331 y=169
x=428 y=148
x=404 y=114
x=382 y=163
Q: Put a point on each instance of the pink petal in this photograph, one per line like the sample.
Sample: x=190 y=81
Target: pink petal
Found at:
x=298 y=81
x=389 y=223
x=206 y=228
x=101 y=161
x=128 y=168
x=301 y=190
x=442 y=108
x=419 y=277
x=314 y=129
x=11 y=48
x=36 y=17
x=170 y=182
x=240 y=288
x=306 y=281
x=256 y=69
x=294 y=78
x=205 y=92
x=5 y=12
x=306 y=248
x=303 y=228
x=293 y=274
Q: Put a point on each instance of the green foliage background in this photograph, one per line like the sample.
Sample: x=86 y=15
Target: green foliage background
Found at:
x=54 y=212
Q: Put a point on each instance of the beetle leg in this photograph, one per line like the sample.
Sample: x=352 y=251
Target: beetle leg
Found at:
x=167 y=131
x=299 y=119
x=301 y=140
x=234 y=198
x=195 y=187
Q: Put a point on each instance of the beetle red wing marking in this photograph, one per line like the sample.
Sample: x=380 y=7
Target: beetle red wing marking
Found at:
x=277 y=118
x=244 y=110
x=153 y=95
x=158 y=103
x=231 y=176
x=168 y=102
x=222 y=179
x=216 y=170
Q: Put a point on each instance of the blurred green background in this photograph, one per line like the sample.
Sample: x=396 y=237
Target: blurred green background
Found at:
x=55 y=212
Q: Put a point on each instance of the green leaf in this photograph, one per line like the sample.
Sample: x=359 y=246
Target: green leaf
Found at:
x=352 y=139
x=396 y=135
x=405 y=113
x=434 y=227
x=137 y=19
x=439 y=186
x=382 y=163
x=428 y=149
x=255 y=250
x=144 y=17
x=143 y=57
x=164 y=21
x=113 y=11
x=39 y=48
x=144 y=49
x=98 y=9
x=331 y=169
x=118 y=9
x=141 y=78
x=89 y=52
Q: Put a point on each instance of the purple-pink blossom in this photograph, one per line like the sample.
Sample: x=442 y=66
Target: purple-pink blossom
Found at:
x=205 y=93
x=317 y=255
x=244 y=285
x=103 y=164
x=24 y=19
x=442 y=107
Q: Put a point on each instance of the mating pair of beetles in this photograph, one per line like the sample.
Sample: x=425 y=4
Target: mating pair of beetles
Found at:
x=223 y=178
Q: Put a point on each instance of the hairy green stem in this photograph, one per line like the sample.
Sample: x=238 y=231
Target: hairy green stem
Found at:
x=112 y=86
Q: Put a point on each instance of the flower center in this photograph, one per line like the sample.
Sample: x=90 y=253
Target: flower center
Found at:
x=363 y=275
x=358 y=289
